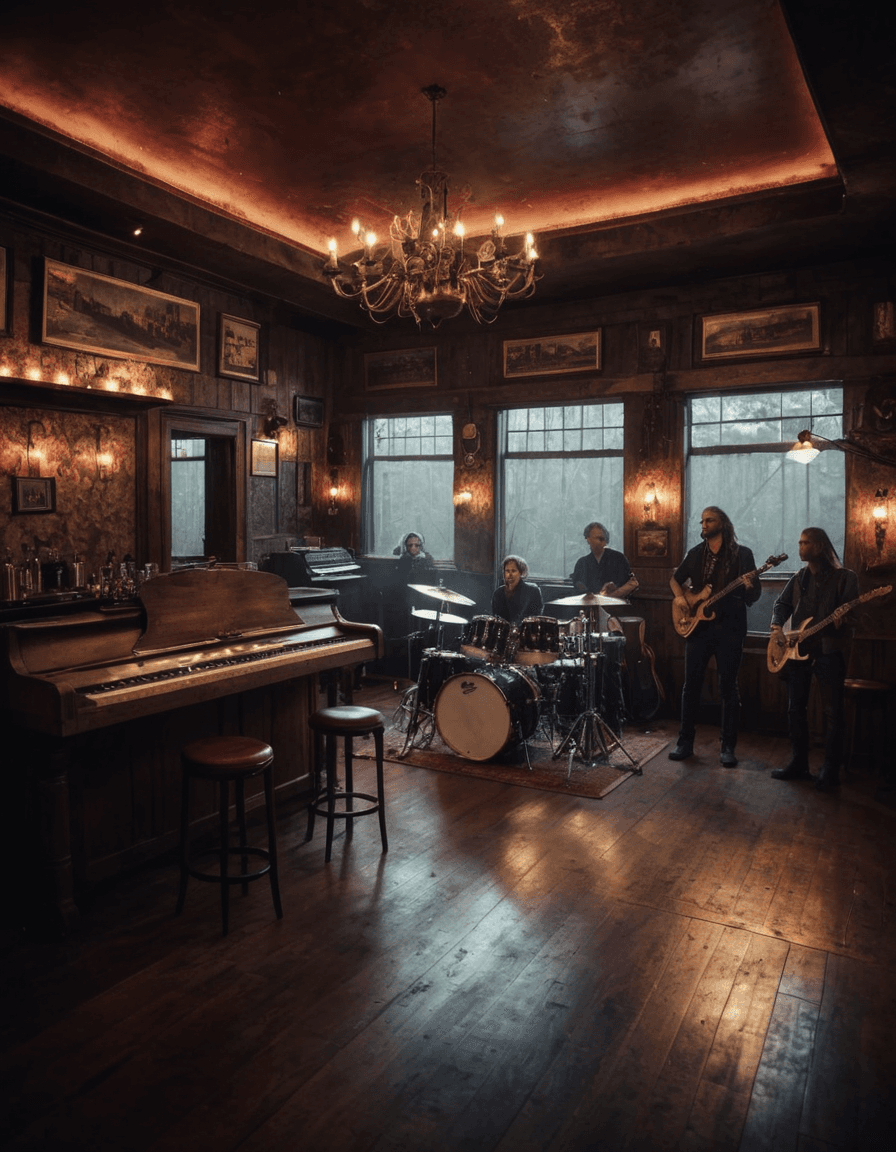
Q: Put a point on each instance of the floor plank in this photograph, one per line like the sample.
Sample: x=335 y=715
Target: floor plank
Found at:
x=704 y=959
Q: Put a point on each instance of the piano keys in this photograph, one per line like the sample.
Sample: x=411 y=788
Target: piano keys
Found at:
x=203 y=645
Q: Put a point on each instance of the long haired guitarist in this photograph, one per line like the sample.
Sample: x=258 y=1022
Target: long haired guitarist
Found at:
x=816 y=591
x=706 y=569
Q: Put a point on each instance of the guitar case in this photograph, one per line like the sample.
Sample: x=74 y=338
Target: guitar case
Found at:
x=643 y=691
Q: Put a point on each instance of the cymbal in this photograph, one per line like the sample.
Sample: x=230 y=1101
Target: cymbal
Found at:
x=591 y=600
x=442 y=617
x=441 y=594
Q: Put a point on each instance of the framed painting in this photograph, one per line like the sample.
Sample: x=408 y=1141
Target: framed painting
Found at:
x=553 y=355
x=34 y=494
x=406 y=368
x=308 y=411
x=783 y=331
x=238 y=348
x=94 y=313
x=264 y=458
x=652 y=542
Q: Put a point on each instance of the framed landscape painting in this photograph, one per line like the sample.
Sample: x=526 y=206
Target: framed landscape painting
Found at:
x=406 y=368
x=95 y=313
x=782 y=331
x=552 y=355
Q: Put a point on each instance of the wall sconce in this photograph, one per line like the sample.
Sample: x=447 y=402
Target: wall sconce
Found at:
x=879 y=513
x=273 y=423
x=651 y=503
x=333 y=492
x=465 y=497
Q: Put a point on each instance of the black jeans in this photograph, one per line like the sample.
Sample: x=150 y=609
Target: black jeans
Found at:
x=726 y=643
x=829 y=670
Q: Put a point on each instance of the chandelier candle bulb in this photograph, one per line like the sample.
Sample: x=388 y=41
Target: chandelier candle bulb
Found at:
x=331 y=263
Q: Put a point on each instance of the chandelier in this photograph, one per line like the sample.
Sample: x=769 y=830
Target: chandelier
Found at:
x=425 y=272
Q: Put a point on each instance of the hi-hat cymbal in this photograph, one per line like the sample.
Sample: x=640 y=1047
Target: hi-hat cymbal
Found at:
x=442 y=617
x=441 y=594
x=591 y=600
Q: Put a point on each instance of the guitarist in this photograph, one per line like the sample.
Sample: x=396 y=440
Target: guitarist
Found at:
x=816 y=591
x=713 y=564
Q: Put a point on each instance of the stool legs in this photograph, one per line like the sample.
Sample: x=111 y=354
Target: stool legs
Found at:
x=326 y=745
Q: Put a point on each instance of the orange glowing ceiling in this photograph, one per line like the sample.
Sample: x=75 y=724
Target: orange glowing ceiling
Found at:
x=297 y=118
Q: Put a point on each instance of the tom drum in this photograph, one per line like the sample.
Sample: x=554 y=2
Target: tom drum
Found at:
x=539 y=641
x=486 y=637
x=479 y=714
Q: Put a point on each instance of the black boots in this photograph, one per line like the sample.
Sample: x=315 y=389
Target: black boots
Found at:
x=726 y=756
x=798 y=766
x=683 y=750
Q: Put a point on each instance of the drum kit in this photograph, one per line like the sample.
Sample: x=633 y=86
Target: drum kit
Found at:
x=506 y=679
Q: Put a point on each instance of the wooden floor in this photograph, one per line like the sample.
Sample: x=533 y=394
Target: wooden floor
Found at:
x=704 y=959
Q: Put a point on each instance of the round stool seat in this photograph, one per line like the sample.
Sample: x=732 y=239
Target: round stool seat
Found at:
x=866 y=686
x=219 y=757
x=347 y=720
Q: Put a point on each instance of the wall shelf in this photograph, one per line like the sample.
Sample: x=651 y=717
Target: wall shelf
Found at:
x=70 y=398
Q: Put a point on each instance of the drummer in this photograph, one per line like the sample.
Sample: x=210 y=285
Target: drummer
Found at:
x=604 y=570
x=516 y=599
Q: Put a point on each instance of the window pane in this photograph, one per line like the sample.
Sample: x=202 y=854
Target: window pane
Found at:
x=402 y=496
x=188 y=506
x=549 y=500
x=770 y=499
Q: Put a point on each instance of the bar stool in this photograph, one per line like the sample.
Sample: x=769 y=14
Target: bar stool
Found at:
x=328 y=724
x=867 y=697
x=223 y=759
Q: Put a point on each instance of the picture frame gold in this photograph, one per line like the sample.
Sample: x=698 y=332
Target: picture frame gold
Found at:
x=402 y=368
x=265 y=458
x=33 y=494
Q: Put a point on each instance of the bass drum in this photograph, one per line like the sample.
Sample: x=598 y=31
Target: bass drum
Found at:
x=437 y=666
x=479 y=714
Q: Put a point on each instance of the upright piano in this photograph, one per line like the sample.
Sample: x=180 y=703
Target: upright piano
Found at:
x=334 y=568
x=204 y=647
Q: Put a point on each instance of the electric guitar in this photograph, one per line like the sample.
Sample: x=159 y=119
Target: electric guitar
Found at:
x=691 y=609
x=784 y=646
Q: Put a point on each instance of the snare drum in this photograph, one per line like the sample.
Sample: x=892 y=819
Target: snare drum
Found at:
x=479 y=714
x=539 y=641
x=437 y=666
x=486 y=637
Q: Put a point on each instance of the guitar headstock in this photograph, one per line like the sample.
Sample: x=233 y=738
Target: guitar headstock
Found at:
x=774 y=561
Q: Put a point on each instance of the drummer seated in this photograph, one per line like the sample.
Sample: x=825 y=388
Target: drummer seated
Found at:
x=516 y=599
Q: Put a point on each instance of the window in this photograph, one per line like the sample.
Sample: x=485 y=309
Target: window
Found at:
x=409 y=483
x=561 y=468
x=736 y=445
x=187 y=498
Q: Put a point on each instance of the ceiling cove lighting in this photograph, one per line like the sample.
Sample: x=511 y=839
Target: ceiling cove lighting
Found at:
x=426 y=273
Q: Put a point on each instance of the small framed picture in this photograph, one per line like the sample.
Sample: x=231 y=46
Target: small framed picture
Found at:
x=34 y=494
x=238 y=348
x=653 y=345
x=652 y=542
x=308 y=411
x=264 y=458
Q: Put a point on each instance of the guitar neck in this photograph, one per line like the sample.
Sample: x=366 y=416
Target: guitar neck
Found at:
x=841 y=611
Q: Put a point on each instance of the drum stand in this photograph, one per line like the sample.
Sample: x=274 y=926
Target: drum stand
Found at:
x=590 y=738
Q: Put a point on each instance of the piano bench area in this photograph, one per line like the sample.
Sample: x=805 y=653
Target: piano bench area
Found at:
x=328 y=725
x=226 y=759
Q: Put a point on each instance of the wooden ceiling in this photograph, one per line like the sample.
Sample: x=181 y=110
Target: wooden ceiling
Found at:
x=645 y=142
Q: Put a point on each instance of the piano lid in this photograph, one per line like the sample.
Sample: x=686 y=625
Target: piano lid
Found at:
x=202 y=606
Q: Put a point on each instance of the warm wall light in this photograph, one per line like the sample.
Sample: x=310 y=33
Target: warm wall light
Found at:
x=879 y=513
x=333 y=492
x=803 y=452
x=651 y=503
x=464 y=497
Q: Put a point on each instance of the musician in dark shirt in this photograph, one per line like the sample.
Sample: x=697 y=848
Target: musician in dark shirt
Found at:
x=816 y=591
x=603 y=570
x=516 y=599
x=715 y=563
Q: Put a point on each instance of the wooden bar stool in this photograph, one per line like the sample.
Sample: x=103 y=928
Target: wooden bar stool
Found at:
x=223 y=759
x=328 y=724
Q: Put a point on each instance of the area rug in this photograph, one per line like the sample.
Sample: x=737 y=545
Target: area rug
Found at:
x=542 y=771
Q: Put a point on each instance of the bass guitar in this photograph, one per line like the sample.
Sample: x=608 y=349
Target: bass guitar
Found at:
x=690 y=610
x=784 y=646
